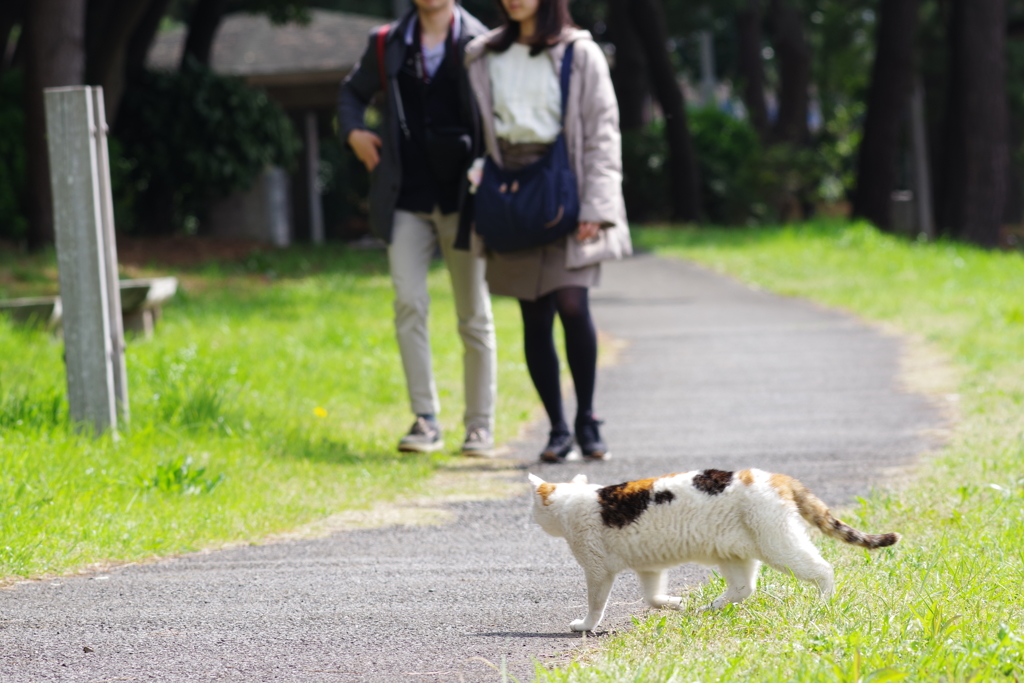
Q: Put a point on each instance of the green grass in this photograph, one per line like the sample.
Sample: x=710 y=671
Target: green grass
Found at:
x=944 y=604
x=271 y=395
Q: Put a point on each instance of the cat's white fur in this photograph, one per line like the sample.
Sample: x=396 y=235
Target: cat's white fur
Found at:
x=752 y=517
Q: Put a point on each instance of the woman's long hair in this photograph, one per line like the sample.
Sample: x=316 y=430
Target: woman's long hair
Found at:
x=552 y=17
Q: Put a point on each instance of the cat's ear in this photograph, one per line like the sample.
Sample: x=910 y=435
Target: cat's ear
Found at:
x=579 y=479
x=535 y=480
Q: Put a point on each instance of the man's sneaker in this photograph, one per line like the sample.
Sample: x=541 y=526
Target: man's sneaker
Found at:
x=423 y=437
x=589 y=438
x=479 y=443
x=560 y=448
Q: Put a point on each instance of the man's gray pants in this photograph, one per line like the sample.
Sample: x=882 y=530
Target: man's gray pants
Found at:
x=414 y=239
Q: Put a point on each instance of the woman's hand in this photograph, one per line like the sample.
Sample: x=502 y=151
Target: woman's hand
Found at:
x=587 y=231
x=365 y=144
x=475 y=174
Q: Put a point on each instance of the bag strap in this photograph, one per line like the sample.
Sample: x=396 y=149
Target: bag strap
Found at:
x=564 y=76
x=382 y=35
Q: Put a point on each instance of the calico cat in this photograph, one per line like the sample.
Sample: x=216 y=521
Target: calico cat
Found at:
x=733 y=520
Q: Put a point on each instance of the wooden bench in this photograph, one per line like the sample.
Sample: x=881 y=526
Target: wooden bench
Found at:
x=141 y=301
x=34 y=310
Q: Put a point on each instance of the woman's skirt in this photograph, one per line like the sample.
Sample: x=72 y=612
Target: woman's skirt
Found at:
x=531 y=273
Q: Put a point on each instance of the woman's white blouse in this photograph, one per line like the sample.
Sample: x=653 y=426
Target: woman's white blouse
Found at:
x=527 y=96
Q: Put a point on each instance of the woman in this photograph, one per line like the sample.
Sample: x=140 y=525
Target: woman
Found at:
x=514 y=72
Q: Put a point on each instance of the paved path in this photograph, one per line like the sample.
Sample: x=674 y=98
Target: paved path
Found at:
x=715 y=375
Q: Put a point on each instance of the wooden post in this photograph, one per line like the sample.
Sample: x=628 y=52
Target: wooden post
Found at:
x=922 y=171
x=316 y=209
x=84 y=258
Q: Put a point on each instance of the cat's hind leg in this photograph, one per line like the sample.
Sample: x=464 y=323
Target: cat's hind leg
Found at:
x=655 y=585
x=599 y=585
x=805 y=562
x=740 y=581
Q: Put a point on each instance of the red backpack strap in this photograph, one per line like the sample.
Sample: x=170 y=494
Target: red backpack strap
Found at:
x=382 y=34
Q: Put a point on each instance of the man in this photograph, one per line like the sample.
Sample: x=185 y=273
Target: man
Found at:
x=418 y=185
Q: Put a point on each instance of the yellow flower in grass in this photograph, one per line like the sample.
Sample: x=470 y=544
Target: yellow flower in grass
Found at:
x=319 y=412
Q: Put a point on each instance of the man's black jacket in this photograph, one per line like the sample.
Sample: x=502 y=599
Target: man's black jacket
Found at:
x=360 y=87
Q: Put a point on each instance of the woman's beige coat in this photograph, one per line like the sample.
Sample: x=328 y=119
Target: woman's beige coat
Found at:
x=591 y=135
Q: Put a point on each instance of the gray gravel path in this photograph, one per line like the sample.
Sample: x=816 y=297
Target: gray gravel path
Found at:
x=715 y=374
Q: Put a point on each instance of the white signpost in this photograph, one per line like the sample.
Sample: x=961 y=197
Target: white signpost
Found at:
x=86 y=256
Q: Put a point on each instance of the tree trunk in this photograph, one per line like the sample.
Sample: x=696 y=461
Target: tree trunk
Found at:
x=794 y=56
x=142 y=38
x=976 y=128
x=202 y=29
x=750 y=65
x=888 y=98
x=629 y=75
x=649 y=22
x=1013 y=208
x=109 y=30
x=55 y=31
x=98 y=14
x=12 y=13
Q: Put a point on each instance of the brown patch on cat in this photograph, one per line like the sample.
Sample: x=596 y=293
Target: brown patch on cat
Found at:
x=664 y=497
x=631 y=487
x=783 y=485
x=622 y=504
x=544 y=491
x=837 y=528
x=712 y=482
x=816 y=513
x=746 y=476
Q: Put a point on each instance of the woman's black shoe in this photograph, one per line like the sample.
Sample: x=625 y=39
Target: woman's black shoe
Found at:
x=589 y=438
x=559 y=448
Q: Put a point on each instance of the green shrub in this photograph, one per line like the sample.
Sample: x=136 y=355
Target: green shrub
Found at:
x=179 y=476
x=191 y=137
x=13 y=219
x=790 y=180
x=729 y=155
x=645 y=173
x=344 y=187
x=742 y=181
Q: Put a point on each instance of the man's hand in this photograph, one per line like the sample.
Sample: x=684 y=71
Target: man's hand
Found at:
x=587 y=231
x=365 y=144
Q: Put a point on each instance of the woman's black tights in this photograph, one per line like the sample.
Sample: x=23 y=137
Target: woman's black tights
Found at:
x=573 y=307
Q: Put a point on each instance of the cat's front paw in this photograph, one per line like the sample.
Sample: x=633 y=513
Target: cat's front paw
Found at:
x=674 y=603
x=580 y=625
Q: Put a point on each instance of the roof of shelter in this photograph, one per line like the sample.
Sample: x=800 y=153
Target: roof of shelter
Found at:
x=249 y=45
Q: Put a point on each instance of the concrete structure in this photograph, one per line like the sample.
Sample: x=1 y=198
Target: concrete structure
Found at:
x=76 y=131
x=141 y=303
x=262 y=213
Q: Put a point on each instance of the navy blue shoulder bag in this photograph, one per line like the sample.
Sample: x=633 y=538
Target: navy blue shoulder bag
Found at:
x=535 y=205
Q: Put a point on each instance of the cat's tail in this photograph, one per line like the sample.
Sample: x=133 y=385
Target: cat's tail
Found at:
x=816 y=513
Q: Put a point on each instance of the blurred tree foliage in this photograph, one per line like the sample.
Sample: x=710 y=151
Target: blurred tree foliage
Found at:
x=840 y=39
x=792 y=178
x=190 y=137
x=743 y=181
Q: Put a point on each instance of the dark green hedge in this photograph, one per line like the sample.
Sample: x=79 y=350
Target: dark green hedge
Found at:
x=190 y=137
x=742 y=181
